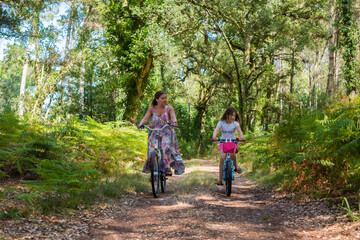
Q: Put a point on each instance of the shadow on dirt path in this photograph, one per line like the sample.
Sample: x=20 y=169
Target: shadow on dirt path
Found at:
x=251 y=212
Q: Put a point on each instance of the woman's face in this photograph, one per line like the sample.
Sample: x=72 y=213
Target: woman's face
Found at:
x=162 y=100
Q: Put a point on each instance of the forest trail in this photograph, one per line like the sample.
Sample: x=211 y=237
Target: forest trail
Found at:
x=189 y=212
x=251 y=212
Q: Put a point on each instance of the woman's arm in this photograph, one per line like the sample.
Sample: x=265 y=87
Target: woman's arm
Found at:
x=146 y=117
x=217 y=129
x=173 y=116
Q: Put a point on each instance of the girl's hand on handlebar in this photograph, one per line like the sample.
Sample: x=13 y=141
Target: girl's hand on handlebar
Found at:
x=241 y=139
x=175 y=124
x=215 y=139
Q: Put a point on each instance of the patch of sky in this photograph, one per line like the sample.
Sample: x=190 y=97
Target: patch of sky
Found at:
x=50 y=17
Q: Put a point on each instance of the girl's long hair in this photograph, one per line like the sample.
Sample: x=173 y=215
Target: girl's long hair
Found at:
x=230 y=112
x=158 y=94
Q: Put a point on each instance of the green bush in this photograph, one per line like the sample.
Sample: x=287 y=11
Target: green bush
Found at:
x=65 y=162
x=320 y=149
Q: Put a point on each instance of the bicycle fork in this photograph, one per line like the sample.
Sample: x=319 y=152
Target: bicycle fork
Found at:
x=228 y=159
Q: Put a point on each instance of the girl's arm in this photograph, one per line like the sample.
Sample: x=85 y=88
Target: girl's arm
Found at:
x=173 y=116
x=217 y=129
x=241 y=135
x=146 y=118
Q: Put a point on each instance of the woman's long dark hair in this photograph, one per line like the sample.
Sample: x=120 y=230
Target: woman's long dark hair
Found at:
x=230 y=112
x=158 y=94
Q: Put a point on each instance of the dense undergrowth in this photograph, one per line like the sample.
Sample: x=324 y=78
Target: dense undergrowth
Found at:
x=314 y=152
x=67 y=164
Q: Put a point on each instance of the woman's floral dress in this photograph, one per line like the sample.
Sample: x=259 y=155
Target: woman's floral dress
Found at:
x=170 y=145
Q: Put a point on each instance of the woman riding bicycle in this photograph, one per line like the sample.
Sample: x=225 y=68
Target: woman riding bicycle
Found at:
x=160 y=114
x=227 y=125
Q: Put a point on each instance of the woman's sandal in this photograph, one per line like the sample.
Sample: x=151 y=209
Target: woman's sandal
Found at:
x=218 y=182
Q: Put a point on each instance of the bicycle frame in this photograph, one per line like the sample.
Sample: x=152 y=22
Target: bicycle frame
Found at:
x=158 y=149
x=156 y=162
x=228 y=167
x=228 y=159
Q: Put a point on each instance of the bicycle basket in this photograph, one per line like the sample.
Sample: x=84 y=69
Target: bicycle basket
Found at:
x=230 y=147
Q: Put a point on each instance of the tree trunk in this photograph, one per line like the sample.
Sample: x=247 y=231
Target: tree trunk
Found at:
x=292 y=73
x=310 y=84
x=245 y=87
x=188 y=100
x=198 y=126
x=24 y=75
x=333 y=36
x=49 y=106
x=350 y=43
x=91 y=97
x=162 y=74
x=82 y=91
x=133 y=100
x=281 y=92
x=40 y=88
x=64 y=84
x=37 y=47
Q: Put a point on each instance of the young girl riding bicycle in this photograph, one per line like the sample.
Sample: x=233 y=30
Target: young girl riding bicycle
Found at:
x=227 y=125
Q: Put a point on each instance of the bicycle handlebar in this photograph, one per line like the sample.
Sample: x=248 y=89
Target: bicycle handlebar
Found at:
x=168 y=124
x=229 y=140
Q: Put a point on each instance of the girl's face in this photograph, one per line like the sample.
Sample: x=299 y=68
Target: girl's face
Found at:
x=231 y=117
x=162 y=100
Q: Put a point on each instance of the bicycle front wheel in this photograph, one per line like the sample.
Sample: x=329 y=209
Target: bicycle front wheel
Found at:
x=155 y=174
x=228 y=180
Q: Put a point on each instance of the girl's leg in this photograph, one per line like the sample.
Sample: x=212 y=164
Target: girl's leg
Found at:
x=233 y=158
x=221 y=166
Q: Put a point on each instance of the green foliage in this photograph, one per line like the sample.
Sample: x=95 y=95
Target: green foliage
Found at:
x=316 y=149
x=65 y=177
x=65 y=162
x=354 y=217
x=13 y=213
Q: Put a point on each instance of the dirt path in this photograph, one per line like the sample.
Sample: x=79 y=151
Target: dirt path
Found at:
x=193 y=208
x=206 y=213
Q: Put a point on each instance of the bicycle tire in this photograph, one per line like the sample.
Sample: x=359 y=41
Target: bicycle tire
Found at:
x=228 y=179
x=155 y=175
x=163 y=182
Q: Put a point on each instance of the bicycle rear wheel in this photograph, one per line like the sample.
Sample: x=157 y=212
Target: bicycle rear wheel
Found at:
x=155 y=175
x=228 y=179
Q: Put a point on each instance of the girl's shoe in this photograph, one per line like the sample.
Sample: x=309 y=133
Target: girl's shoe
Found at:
x=218 y=182
x=238 y=169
